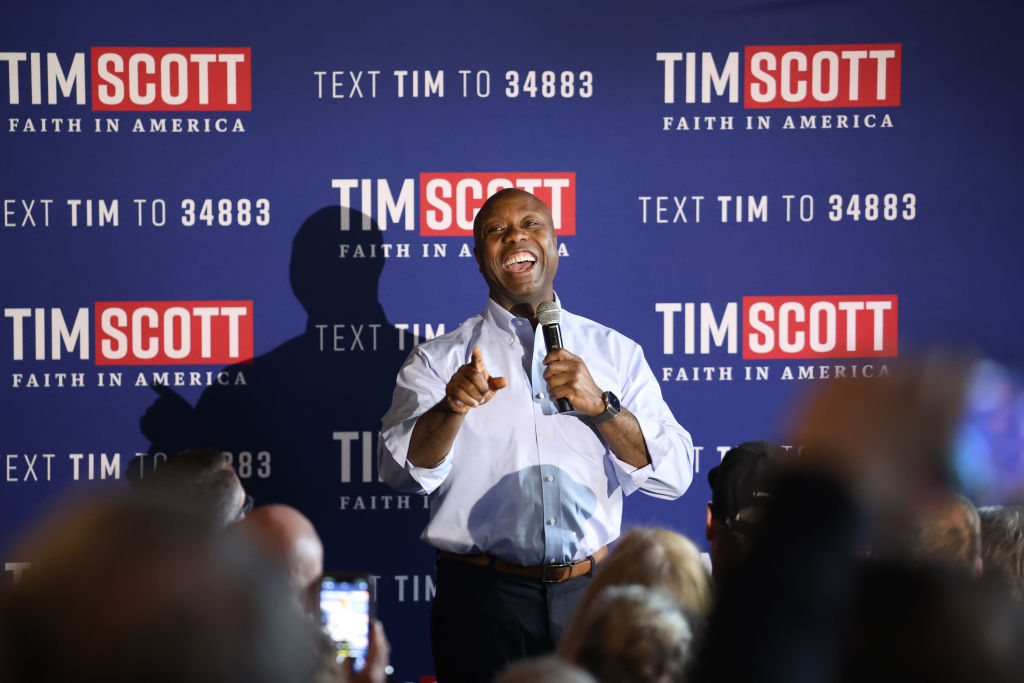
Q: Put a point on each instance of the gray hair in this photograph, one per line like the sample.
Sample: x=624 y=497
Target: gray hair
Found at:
x=1002 y=545
x=635 y=633
x=549 y=669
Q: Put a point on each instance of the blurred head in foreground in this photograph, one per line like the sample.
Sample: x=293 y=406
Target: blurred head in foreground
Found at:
x=886 y=440
x=924 y=623
x=887 y=443
x=136 y=590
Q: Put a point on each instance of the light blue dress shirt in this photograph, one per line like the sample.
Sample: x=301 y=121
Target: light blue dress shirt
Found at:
x=522 y=481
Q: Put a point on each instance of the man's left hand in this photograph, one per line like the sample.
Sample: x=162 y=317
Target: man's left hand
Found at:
x=568 y=377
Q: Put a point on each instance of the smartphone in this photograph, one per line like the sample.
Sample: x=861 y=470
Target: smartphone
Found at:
x=988 y=450
x=346 y=609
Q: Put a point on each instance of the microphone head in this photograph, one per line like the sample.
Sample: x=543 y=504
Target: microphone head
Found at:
x=549 y=313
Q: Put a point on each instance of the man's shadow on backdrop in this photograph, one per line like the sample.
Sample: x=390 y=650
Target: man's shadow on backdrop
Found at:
x=304 y=399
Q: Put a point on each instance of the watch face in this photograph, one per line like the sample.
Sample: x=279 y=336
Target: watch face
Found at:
x=612 y=401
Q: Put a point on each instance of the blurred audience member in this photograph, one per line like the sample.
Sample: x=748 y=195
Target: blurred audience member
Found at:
x=741 y=489
x=1002 y=545
x=804 y=608
x=549 y=669
x=291 y=542
x=636 y=634
x=947 y=533
x=921 y=622
x=656 y=558
x=134 y=590
x=201 y=479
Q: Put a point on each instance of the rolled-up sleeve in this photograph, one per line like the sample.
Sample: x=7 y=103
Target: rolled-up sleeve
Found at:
x=670 y=447
x=418 y=388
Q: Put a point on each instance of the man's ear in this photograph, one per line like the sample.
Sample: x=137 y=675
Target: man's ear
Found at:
x=709 y=524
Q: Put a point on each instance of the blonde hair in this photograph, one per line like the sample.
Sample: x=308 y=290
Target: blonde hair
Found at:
x=652 y=557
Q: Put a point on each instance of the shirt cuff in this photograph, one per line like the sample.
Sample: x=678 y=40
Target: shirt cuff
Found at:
x=429 y=478
x=662 y=477
x=395 y=468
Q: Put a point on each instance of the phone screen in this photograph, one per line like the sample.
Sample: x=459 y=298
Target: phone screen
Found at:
x=988 y=450
x=345 y=615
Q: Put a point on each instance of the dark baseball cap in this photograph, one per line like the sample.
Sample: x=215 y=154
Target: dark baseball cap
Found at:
x=743 y=484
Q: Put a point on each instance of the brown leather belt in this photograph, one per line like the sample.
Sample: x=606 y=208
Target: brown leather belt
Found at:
x=546 y=573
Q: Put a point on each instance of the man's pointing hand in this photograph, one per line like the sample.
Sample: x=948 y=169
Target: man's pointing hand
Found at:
x=471 y=386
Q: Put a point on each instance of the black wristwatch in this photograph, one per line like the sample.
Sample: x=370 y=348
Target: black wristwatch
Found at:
x=611 y=408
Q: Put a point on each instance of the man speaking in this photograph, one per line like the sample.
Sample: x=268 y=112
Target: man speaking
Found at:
x=523 y=498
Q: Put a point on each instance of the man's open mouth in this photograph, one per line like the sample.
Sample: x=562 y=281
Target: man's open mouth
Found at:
x=519 y=262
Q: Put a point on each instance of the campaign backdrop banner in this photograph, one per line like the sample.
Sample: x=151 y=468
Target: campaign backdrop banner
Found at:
x=228 y=223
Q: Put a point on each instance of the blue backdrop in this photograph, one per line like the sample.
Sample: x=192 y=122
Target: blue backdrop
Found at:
x=160 y=160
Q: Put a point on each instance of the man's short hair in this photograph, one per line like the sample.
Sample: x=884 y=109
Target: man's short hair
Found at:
x=635 y=633
x=1002 y=545
x=485 y=208
x=200 y=479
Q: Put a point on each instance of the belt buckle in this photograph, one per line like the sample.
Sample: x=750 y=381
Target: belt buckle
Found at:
x=544 y=571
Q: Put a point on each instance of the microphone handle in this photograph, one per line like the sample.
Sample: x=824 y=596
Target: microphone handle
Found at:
x=553 y=342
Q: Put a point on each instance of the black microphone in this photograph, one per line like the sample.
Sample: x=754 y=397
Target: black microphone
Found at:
x=548 y=315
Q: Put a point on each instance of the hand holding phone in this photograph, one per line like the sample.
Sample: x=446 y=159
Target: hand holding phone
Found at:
x=346 y=610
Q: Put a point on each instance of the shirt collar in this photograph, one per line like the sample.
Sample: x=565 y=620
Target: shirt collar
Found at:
x=501 y=316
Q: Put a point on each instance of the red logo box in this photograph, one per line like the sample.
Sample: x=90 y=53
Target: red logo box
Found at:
x=820 y=326
x=173 y=332
x=450 y=201
x=806 y=76
x=171 y=78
